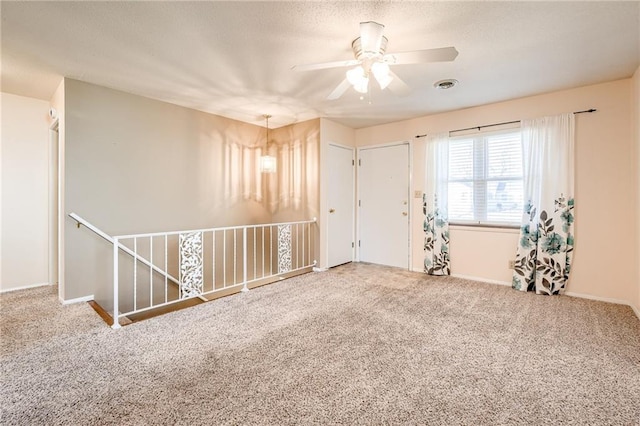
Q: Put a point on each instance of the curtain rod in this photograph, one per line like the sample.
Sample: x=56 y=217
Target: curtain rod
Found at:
x=501 y=124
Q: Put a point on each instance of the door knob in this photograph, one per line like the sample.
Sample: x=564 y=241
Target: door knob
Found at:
x=332 y=210
x=404 y=213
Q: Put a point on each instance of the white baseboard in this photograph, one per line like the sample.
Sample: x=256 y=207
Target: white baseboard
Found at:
x=598 y=298
x=24 y=287
x=471 y=278
x=635 y=309
x=604 y=299
x=77 y=300
x=482 y=280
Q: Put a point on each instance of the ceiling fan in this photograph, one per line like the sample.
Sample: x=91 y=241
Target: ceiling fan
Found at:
x=371 y=59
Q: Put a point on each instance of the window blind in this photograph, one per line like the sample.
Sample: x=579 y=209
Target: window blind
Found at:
x=486 y=178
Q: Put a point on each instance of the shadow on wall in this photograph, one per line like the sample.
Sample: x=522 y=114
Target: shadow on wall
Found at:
x=291 y=193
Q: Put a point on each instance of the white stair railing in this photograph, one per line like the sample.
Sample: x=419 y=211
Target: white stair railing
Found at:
x=105 y=236
x=206 y=262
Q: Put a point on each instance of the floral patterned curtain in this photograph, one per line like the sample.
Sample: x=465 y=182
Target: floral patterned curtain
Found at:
x=434 y=205
x=545 y=248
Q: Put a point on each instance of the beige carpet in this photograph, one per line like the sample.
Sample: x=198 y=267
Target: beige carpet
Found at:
x=359 y=344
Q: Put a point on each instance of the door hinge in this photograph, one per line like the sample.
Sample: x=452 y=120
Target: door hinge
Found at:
x=352 y=244
x=359 y=203
x=353 y=162
x=359 y=162
x=358 y=243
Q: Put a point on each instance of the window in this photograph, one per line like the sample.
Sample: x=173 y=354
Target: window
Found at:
x=485 y=178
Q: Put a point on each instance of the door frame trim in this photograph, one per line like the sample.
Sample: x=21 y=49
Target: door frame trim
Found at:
x=53 y=214
x=409 y=144
x=353 y=202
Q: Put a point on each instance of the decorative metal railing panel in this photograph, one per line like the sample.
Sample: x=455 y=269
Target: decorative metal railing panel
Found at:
x=191 y=275
x=284 y=248
x=205 y=262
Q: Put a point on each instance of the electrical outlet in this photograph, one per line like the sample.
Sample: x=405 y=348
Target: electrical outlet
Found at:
x=417 y=194
x=512 y=264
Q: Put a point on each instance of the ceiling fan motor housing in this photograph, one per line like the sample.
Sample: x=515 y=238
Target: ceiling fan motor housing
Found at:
x=361 y=54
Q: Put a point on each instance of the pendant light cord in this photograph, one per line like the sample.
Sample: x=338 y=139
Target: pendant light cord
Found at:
x=267 y=117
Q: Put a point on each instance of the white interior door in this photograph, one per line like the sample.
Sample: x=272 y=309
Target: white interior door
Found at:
x=340 y=238
x=383 y=193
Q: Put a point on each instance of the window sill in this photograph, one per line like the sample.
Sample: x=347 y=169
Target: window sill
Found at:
x=485 y=227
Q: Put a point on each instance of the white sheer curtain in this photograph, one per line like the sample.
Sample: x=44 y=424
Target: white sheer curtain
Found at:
x=434 y=205
x=545 y=248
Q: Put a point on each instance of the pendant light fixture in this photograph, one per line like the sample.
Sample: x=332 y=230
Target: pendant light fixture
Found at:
x=267 y=162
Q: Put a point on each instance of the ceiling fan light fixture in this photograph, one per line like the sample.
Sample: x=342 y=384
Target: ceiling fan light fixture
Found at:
x=381 y=72
x=362 y=86
x=358 y=79
x=355 y=75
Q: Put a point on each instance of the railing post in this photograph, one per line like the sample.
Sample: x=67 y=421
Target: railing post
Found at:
x=116 y=321
x=244 y=259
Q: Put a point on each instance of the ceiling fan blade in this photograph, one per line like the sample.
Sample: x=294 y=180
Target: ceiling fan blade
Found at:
x=398 y=86
x=442 y=54
x=371 y=36
x=324 y=65
x=339 y=91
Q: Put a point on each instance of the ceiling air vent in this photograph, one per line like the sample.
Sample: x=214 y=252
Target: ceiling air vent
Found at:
x=445 y=84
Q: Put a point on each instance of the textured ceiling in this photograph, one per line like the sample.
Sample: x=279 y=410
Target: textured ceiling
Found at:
x=234 y=58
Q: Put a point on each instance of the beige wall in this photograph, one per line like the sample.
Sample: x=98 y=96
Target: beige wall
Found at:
x=24 y=194
x=636 y=129
x=604 y=265
x=470 y=242
x=294 y=190
x=330 y=132
x=136 y=165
